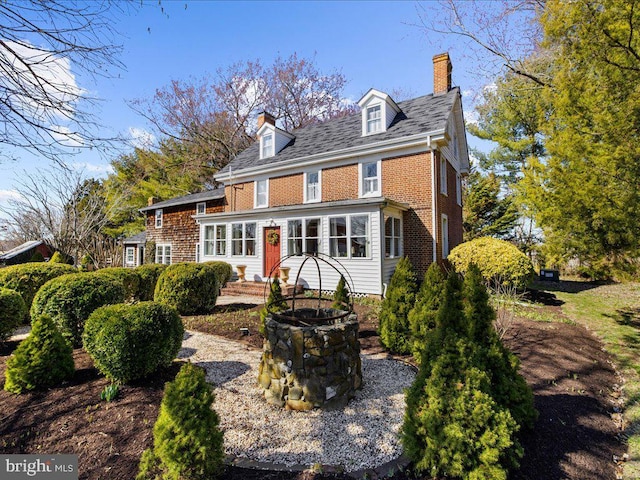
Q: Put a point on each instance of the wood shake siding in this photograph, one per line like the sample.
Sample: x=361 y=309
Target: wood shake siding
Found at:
x=407 y=179
x=179 y=229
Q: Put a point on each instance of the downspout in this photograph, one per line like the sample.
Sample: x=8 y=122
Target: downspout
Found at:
x=434 y=198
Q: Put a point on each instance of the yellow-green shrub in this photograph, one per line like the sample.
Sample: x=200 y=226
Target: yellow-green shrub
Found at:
x=12 y=312
x=500 y=262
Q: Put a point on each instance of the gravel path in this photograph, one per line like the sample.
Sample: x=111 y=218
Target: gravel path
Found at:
x=363 y=435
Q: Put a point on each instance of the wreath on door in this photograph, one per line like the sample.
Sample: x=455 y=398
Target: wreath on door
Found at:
x=273 y=238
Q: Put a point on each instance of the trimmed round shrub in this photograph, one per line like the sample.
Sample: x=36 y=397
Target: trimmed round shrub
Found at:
x=70 y=299
x=394 y=329
x=27 y=278
x=500 y=262
x=128 y=277
x=128 y=342
x=187 y=440
x=190 y=288
x=12 y=312
x=148 y=275
x=224 y=271
x=42 y=360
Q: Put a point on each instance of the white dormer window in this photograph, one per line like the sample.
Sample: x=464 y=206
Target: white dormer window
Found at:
x=262 y=193
x=370 y=179
x=378 y=112
x=374 y=119
x=267 y=146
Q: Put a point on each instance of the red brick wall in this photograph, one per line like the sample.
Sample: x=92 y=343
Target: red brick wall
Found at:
x=179 y=228
x=288 y=190
x=239 y=197
x=448 y=205
x=340 y=183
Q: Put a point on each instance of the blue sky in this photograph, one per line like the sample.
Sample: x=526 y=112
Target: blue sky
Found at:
x=374 y=44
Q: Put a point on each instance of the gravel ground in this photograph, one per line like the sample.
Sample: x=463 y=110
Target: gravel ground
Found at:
x=363 y=435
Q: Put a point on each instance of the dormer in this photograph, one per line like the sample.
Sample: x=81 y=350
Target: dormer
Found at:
x=378 y=111
x=272 y=138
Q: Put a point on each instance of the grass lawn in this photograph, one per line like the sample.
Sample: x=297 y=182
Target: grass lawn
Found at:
x=612 y=311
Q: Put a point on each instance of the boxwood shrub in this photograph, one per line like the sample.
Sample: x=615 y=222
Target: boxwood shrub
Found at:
x=190 y=288
x=42 y=360
x=128 y=342
x=500 y=262
x=127 y=276
x=70 y=299
x=224 y=271
x=12 y=312
x=148 y=275
x=27 y=278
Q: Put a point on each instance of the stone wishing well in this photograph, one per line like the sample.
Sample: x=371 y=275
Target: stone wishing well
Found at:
x=311 y=356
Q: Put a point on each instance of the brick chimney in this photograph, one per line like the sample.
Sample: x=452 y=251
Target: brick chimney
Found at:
x=441 y=73
x=265 y=117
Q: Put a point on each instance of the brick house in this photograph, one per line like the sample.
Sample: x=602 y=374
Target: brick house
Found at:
x=366 y=189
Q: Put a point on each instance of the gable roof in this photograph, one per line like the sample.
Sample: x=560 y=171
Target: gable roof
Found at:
x=25 y=247
x=420 y=115
x=215 y=194
x=138 y=238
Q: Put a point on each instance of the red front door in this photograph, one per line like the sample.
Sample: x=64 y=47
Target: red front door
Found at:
x=271 y=240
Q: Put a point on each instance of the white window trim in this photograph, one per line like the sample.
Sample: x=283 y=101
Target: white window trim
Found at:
x=305 y=237
x=158 y=218
x=399 y=237
x=244 y=239
x=131 y=250
x=316 y=200
x=197 y=253
x=255 y=193
x=202 y=205
x=382 y=118
x=443 y=176
x=214 y=241
x=459 y=189
x=348 y=226
x=271 y=134
x=378 y=192
x=444 y=235
x=163 y=257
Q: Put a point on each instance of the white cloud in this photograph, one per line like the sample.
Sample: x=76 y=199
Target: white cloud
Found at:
x=100 y=169
x=467 y=93
x=6 y=195
x=490 y=88
x=65 y=136
x=141 y=138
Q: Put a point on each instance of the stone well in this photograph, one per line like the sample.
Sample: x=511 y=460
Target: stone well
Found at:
x=311 y=359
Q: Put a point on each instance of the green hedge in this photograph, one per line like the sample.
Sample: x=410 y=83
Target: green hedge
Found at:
x=187 y=440
x=12 y=312
x=148 y=275
x=27 y=278
x=70 y=299
x=190 y=288
x=223 y=270
x=128 y=277
x=128 y=342
x=500 y=262
x=42 y=360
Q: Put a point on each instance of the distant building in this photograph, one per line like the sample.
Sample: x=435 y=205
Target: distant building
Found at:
x=23 y=253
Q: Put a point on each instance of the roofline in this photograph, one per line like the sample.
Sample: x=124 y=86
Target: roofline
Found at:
x=383 y=202
x=219 y=195
x=407 y=141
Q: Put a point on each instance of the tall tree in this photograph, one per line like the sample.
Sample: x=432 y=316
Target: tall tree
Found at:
x=46 y=46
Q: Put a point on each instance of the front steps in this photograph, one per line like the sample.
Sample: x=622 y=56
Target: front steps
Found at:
x=256 y=289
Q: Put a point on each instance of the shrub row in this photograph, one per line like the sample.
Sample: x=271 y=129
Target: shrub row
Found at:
x=468 y=402
x=190 y=288
x=12 y=312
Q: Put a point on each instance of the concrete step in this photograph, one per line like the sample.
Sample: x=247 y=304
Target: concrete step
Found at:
x=255 y=289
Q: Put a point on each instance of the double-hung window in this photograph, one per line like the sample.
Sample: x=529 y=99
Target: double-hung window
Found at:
x=349 y=236
x=215 y=240
x=312 y=186
x=243 y=239
x=445 y=236
x=201 y=208
x=163 y=253
x=130 y=258
x=303 y=236
x=443 y=175
x=267 y=145
x=392 y=237
x=374 y=119
x=459 y=189
x=159 y=218
x=370 y=174
x=262 y=193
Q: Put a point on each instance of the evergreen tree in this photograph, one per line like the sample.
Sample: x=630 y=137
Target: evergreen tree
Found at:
x=42 y=360
x=187 y=440
x=422 y=317
x=341 y=295
x=400 y=297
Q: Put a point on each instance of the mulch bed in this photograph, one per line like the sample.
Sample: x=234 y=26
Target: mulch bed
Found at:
x=573 y=381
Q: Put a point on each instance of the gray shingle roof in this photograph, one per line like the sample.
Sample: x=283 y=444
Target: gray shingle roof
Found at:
x=138 y=238
x=214 y=194
x=419 y=115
